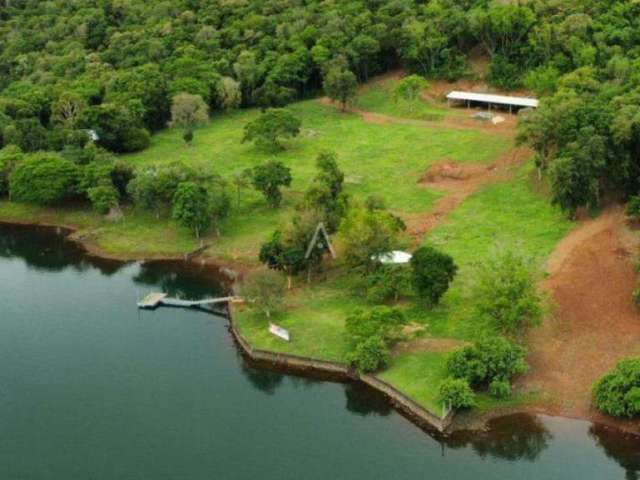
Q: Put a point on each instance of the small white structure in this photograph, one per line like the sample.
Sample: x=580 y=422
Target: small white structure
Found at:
x=489 y=99
x=93 y=135
x=279 y=331
x=395 y=257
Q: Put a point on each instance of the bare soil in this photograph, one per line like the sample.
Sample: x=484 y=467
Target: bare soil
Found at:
x=459 y=182
x=591 y=279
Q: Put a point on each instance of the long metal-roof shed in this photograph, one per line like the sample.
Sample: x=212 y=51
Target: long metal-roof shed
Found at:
x=493 y=99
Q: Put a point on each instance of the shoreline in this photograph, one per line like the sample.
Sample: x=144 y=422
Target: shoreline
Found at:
x=331 y=371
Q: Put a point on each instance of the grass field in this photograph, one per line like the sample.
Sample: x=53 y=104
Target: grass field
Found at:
x=378 y=96
x=386 y=160
x=509 y=214
x=382 y=159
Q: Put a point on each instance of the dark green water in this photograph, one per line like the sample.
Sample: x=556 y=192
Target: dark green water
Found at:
x=90 y=388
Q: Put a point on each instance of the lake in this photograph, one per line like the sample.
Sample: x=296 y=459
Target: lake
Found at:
x=93 y=388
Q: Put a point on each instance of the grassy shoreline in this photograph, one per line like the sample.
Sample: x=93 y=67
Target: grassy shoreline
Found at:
x=386 y=160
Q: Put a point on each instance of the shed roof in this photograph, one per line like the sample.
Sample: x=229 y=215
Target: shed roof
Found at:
x=393 y=257
x=497 y=99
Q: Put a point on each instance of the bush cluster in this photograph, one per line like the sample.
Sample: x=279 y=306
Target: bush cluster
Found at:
x=370 y=333
x=618 y=392
x=489 y=364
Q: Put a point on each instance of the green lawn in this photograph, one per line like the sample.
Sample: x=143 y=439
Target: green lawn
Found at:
x=385 y=160
x=509 y=214
x=378 y=97
x=418 y=375
x=137 y=235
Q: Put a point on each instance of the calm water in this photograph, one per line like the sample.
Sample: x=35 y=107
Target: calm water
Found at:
x=90 y=388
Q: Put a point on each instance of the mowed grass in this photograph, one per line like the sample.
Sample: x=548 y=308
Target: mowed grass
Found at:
x=137 y=235
x=503 y=215
x=378 y=96
x=384 y=160
x=418 y=375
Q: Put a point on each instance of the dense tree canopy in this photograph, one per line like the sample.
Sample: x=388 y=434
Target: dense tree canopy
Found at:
x=106 y=70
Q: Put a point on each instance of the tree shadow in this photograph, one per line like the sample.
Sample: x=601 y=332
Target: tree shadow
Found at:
x=621 y=447
x=364 y=401
x=266 y=381
x=181 y=279
x=512 y=437
x=48 y=249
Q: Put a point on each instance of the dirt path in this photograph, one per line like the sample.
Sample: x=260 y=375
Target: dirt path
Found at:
x=459 y=182
x=592 y=278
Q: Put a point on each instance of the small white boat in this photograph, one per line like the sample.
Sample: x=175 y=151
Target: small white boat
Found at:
x=279 y=331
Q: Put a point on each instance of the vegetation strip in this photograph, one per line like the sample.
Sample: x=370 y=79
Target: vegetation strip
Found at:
x=404 y=404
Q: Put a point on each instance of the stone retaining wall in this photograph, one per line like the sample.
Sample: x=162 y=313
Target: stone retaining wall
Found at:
x=405 y=405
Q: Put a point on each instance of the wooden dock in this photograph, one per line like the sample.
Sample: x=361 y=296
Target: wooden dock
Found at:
x=155 y=300
x=152 y=300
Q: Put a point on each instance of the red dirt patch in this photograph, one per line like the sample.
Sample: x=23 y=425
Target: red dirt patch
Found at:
x=459 y=182
x=595 y=322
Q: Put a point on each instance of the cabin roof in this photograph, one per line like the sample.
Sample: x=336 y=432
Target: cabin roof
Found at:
x=496 y=99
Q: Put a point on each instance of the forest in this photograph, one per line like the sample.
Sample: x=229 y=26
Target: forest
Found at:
x=113 y=66
x=94 y=93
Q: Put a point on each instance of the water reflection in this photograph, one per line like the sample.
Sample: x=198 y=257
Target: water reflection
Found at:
x=624 y=449
x=47 y=249
x=181 y=279
x=266 y=381
x=363 y=401
x=513 y=437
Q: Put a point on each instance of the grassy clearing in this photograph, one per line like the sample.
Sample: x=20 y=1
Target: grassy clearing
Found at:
x=504 y=215
x=378 y=96
x=138 y=235
x=509 y=214
x=385 y=160
x=418 y=375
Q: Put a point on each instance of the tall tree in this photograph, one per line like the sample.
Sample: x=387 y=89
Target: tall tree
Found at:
x=340 y=84
x=188 y=111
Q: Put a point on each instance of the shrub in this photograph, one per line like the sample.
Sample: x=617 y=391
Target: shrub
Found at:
x=618 y=392
x=9 y=157
x=433 y=271
x=103 y=197
x=271 y=128
x=633 y=207
x=383 y=322
x=386 y=283
x=500 y=388
x=507 y=294
x=263 y=291
x=136 y=140
x=43 y=178
x=487 y=360
x=456 y=393
x=370 y=355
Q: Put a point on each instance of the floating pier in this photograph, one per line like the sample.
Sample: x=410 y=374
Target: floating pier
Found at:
x=155 y=300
